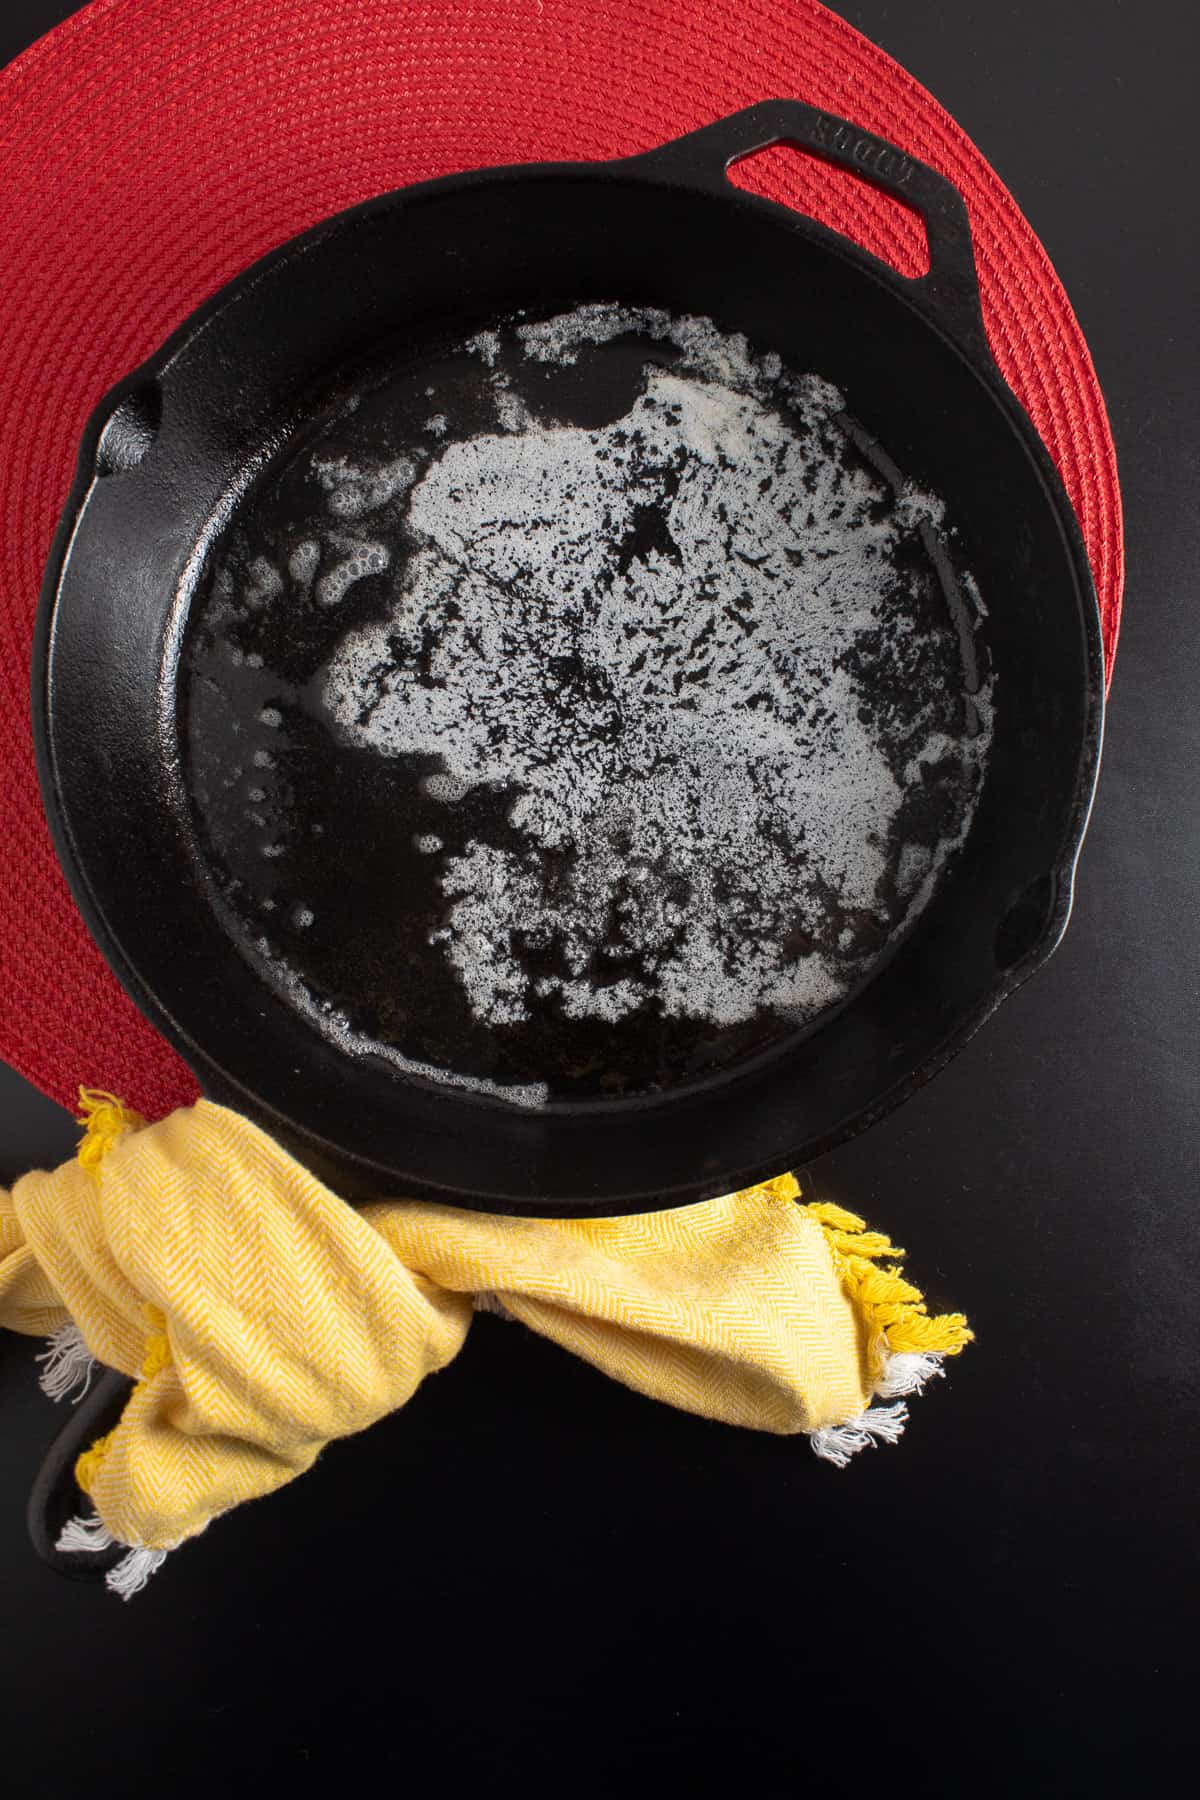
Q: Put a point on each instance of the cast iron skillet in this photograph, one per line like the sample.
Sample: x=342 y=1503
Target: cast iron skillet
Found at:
x=170 y=454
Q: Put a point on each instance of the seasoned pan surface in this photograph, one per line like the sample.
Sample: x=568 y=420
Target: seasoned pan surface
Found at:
x=581 y=708
x=593 y=681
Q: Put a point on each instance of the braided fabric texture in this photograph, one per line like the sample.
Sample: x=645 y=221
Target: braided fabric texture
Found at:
x=151 y=149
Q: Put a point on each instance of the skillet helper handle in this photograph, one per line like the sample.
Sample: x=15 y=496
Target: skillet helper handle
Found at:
x=949 y=293
x=55 y=1498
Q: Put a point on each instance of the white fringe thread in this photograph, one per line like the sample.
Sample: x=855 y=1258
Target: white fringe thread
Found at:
x=130 y=1575
x=838 y=1443
x=69 y=1365
x=904 y=1372
x=907 y=1372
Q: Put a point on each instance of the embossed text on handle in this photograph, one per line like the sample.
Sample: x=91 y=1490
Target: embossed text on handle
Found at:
x=872 y=155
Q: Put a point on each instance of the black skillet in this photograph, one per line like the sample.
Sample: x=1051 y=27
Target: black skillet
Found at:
x=171 y=456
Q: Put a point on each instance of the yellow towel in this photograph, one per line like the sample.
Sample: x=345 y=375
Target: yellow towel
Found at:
x=264 y=1317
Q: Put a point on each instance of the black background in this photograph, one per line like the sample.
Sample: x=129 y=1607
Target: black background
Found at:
x=531 y=1577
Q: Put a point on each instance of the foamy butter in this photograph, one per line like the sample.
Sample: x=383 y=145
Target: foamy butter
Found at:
x=646 y=634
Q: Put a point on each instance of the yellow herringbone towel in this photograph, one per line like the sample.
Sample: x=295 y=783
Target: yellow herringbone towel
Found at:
x=264 y=1317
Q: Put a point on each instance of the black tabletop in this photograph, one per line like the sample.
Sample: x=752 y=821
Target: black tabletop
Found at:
x=534 y=1576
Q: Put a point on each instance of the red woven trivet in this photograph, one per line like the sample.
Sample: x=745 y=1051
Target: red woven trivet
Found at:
x=152 y=148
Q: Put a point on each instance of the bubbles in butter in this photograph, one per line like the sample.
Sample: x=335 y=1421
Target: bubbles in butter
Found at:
x=647 y=633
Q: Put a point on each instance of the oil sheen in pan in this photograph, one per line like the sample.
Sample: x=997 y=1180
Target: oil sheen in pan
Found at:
x=582 y=711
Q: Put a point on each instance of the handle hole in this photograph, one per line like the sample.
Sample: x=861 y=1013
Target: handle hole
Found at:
x=849 y=204
x=1024 y=922
x=130 y=432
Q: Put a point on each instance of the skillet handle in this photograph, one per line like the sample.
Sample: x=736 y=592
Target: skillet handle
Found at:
x=948 y=294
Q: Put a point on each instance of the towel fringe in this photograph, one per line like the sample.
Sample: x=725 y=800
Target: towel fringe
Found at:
x=893 y=1312
x=69 y=1364
x=131 y=1574
x=838 y=1443
x=907 y=1372
x=905 y=1346
x=105 y=1119
x=134 y=1570
x=85 y=1534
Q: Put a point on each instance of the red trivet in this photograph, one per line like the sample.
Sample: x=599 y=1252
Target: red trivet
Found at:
x=153 y=148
